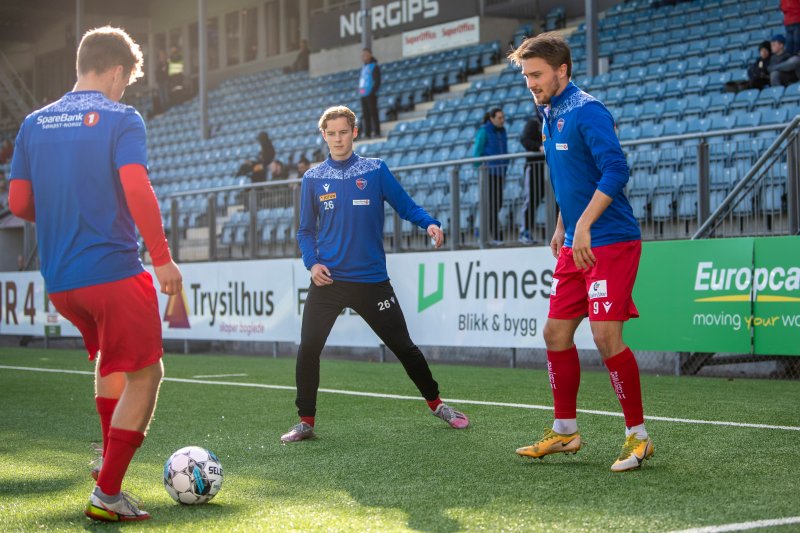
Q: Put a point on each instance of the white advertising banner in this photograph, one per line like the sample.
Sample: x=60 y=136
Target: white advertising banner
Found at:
x=349 y=329
x=441 y=37
x=236 y=301
x=492 y=298
x=243 y=300
x=25 y=308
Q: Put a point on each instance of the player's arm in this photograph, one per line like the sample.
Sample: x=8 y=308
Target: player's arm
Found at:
x=20 y=200
x=405 y=206
x=143 y=205
x=307 y=236
x=20 y=191
x=597 y=128
x=559 y=236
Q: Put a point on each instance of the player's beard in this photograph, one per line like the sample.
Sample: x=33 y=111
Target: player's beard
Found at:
x=547 y=94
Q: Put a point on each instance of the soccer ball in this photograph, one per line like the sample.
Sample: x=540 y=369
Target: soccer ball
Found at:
x=193 y=475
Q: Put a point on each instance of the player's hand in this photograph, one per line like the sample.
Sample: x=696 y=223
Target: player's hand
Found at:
x=557 y=242
x=320 y=275
x=436 y=234
x=582 y=248
x=169 y=278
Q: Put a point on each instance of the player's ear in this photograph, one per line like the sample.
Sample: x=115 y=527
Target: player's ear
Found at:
x=325 y=137
x=355 y=132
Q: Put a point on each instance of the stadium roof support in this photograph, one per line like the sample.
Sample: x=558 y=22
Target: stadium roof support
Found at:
x=202 y=70
x=366 y=24
x=592 y=25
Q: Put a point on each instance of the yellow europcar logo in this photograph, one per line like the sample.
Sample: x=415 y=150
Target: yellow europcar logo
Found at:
x=326 y=197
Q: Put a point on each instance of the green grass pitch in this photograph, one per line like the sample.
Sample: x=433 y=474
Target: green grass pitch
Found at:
x=384 y=464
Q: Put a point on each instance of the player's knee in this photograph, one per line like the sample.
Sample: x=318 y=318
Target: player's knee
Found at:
x=556 y=338
x=607 y=342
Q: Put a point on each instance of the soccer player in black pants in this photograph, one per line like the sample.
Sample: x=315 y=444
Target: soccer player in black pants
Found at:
x=341 y=237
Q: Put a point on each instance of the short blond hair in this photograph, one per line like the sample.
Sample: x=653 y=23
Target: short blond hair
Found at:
x=335 y=112
x=105 y=48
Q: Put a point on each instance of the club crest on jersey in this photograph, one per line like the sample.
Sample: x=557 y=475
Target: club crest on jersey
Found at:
x=560 y=125
x=326 y=186
x=361 y=183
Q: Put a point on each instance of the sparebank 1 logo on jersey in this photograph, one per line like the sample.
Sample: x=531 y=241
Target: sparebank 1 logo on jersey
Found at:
x=91 y=118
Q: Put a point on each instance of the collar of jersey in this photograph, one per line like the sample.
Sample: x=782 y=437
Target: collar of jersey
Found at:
x=341 y=165
x=77 y=93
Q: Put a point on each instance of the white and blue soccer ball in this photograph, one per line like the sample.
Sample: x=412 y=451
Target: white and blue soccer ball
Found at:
x=193 y=475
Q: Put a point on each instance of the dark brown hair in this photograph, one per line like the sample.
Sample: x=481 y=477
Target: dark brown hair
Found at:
x=549 y=46
x=105 y=48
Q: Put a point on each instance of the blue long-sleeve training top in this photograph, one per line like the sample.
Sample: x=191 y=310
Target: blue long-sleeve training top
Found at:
x=342 y=215
x=584 y=155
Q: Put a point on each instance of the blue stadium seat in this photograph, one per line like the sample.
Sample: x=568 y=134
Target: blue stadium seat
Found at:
x=745 y=100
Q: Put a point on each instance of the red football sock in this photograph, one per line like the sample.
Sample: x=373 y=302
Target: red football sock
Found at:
x=624 y=373
x=308 y=420
x=122 y=444
x=105 y=408
x=564 y=369
x=433 y=404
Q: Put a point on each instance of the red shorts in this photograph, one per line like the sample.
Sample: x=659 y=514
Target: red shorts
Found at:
x=120 y=319
x=602 y=291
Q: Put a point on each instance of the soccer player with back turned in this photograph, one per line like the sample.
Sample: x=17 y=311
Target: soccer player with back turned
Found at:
x=80 y=173
x=341 y=238
x=597 y=243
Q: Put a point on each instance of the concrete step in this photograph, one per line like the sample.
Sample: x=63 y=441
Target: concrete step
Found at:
x=411 y=115
x=196 y=233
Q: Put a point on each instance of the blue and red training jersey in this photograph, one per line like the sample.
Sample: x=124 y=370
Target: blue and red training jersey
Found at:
x=71 y=152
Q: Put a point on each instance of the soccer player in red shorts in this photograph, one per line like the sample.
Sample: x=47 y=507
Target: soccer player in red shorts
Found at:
x=79 y=172
x=597 y=243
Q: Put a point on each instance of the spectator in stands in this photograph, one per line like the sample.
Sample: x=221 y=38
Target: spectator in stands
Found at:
x=303 y=165
x=758 y=73
x=256 y=168
x=278 y=171
x=175 y=68
x=301 y=62
x=791 y=22
x=162 y=81
x=368 y=85
x=784 y=68
x=6 y=152
x=491 y=139
x=531 y=140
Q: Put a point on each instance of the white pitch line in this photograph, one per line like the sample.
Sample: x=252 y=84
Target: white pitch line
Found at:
x=221 y=376
x=416 y=398
x=743 y=526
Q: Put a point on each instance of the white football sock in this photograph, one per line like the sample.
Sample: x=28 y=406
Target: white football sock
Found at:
x=639 y=431
x=565 y=426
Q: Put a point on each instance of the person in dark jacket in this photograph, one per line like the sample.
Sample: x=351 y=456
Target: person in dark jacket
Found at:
x=531 y=140
x=257 y=168
x=368 y=85
x=162 y=81
x=491 y=139
x=758 y=73
x=784 y=68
